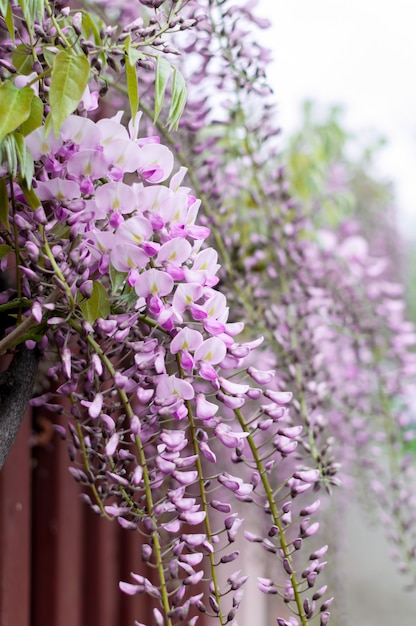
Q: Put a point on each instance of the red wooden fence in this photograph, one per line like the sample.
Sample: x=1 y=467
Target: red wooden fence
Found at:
x=59 y=563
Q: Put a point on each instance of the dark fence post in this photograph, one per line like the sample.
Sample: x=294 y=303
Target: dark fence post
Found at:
x=15 y=529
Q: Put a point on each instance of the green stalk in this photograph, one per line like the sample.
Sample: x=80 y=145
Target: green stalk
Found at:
x=17 y=335
x=88 y=467
x=146 y=478
x=9 y=306
x=205 y=507
x=16 y=251
x=55 y=22
x=274 y=513
x=155 y=534
x=57 y=269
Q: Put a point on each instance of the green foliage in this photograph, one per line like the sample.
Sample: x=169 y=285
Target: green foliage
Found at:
x=329 y=170
x=131 y=77
x=6 y=12
x=178 y=99
x=35 y=118
x=70 y=75
x=91 y=25
x=24 y=158
x=4 y=249
x=163 y=72
x=96 y=306
x=15 y=107
x=22 y=59
x=19 y=109
x=49 y=56
x=31 y=10
x=118 y=279
x=30 y=196
x=13 y=150
x=316 y=155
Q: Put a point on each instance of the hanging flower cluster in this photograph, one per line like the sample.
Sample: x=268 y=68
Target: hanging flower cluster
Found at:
x=195 y=338
x=334 y=324
x=118 y=275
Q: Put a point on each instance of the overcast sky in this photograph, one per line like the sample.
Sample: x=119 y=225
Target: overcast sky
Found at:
x=360 y=53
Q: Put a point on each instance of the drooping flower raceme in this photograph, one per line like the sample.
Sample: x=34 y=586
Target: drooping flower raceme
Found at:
x=163 y=405
x=175 y=430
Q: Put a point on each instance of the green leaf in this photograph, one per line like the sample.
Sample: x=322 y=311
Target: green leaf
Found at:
x=91 y=25
x=117 y=278
x=163 y=72
x=3 y=7
x=22 y=59
x=35 y=118
x=135 y=55
x=15 y=107
x=4 y=249
x=61 y=231
x=14 y=151
x=49 y=54
x=6 y=12
x=35 y=333
x=48 y=125
x=30 y=196
x=10 y=154
x=4 y=204
x=178 y=99
x=31 y=10
x=96 y=306
x=131 y=79
x=70 y=74
x=25 y=159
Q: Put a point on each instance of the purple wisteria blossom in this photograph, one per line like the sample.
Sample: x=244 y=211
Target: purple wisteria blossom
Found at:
x=145 y=313
x=219 y=360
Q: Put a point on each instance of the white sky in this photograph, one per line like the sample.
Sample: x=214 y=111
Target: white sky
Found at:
x=359 y=53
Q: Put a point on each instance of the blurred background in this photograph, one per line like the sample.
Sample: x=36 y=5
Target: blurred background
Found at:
x=343 y=73
x=358 y=54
